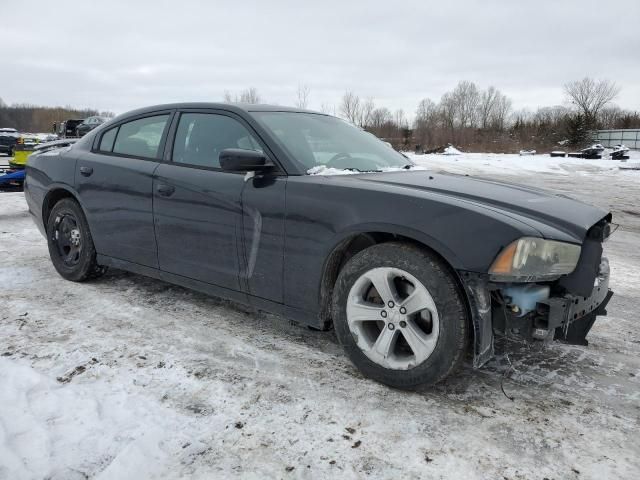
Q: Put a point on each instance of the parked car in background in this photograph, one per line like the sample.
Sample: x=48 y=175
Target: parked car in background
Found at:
x=414 y=269
x=8 y=139
x=68 y=127
x=89 y=124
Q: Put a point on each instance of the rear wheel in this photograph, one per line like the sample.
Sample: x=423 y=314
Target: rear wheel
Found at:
x=400 y=316
x=70 y=243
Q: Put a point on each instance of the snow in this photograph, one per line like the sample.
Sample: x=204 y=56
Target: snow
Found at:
x=513 y=164
x=324 y=170
x=630 y=166
x=451 y=150
x=129 y=377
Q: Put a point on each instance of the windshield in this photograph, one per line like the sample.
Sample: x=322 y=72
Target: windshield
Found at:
x=317 y=141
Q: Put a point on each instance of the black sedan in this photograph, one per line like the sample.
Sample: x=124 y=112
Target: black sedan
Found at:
x=89 y=124
x=8 y=140
x=302 y=214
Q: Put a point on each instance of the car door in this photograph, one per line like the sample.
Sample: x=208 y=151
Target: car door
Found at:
x=115 y=185
x=198 y=206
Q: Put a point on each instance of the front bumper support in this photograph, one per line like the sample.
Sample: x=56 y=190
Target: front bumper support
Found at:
x=568 y=318
x=575 y=332
x=571 y=317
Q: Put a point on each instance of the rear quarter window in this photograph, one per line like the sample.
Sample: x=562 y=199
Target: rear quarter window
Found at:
x=107 y=140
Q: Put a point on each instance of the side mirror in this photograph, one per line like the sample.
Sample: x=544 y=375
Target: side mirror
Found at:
x=239 y=160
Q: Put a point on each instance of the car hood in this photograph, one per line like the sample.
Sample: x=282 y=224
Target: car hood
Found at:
x=545 y=211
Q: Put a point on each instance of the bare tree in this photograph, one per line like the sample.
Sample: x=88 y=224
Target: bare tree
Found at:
x=500 y=112
x=486 y=105
x=448 y=110
x=590 y=96
x=250 y=95
x=426 y=121
x=609 y=116
x=466 y=98
x=328 y=108
x=427 y=110
x=303 y=92
x=350 y=107
x=379 y=118
x=366 y=111
x=400 y=120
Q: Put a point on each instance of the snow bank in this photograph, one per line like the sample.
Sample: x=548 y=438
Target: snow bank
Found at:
x=41 y=419
x=630 y=166
x=451 y=150
x=514 y=164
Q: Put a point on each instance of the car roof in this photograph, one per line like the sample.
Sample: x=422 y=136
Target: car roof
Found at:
x=237 y=107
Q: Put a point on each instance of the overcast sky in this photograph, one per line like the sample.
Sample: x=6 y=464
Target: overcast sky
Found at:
x=118 y=55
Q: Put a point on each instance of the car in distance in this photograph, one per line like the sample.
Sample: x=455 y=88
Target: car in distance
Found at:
x=413 y=269
x=89 y=124
x=67 y=128
x=8 y=140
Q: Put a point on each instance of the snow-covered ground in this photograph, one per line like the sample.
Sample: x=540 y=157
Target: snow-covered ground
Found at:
x=131 y=378
x=501 y=164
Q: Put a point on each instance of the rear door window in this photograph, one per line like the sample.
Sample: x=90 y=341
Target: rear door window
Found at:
x=141 y=138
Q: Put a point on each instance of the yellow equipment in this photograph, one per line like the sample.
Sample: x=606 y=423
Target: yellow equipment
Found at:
x=24 y=147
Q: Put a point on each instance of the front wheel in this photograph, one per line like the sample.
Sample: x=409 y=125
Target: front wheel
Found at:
x=400 y=316
x=70 y=243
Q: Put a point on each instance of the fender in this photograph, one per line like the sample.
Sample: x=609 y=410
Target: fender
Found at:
x=393 y=229
x=474 y=289
x=53 y=187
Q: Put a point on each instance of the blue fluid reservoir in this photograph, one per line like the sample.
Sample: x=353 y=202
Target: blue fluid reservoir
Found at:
x=526 y=296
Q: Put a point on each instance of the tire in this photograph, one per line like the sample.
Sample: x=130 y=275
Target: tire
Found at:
x=439 y=329
x=70 y=243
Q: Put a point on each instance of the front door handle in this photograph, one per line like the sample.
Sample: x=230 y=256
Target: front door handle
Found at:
x=86 y=171
x=165 y=190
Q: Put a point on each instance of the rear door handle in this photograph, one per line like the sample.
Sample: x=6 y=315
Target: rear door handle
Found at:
x=86 y=171
x=165 y=190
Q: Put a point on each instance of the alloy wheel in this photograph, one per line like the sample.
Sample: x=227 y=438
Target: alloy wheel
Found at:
x=393 y=318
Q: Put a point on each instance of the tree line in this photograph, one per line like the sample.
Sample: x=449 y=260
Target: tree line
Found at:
x=469 y=117
x=38 y=119
x=476 y=119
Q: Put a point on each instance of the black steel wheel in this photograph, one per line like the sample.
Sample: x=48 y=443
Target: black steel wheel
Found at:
x=66 y=236
x=70 y=243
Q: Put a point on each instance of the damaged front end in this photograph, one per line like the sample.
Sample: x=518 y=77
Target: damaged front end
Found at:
x=527 y=295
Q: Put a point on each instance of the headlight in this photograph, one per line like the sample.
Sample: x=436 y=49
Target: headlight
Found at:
x=533 y=259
